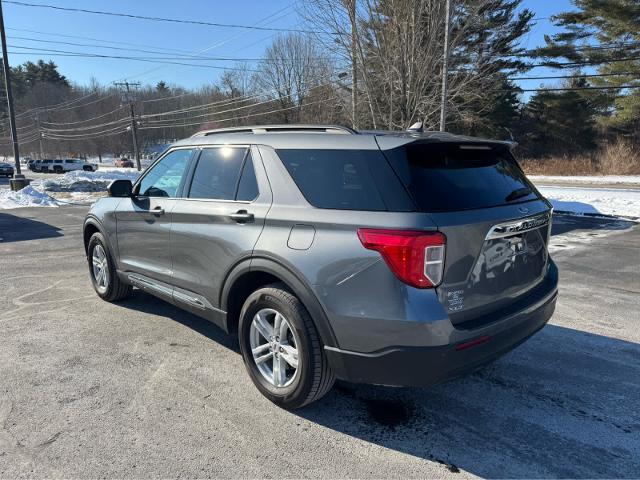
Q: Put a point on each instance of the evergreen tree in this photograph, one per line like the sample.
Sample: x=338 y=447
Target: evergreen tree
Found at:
x=490 y=50
x=605 y=34
x=161 y=87
x=560 y=123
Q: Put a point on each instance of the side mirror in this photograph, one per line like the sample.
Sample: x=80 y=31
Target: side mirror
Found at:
x=120 y=188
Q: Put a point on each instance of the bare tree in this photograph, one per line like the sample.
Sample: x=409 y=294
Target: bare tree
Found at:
x=292 y=67
x=399 y=53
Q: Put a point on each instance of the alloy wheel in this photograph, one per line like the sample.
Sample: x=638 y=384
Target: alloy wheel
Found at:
x=274 y=346
x=100 y=266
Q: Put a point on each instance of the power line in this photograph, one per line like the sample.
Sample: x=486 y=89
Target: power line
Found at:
x=91 y=136
x=324 y=100
x=84 y=121
x=159 y=19
x=75 y=44
x=558 y=89
x=102 y=40
x=581 y=48
x=54 y=107
x=88 y=127
x=123 y=49
x=64 y=53
x=220 y=103
x=254 y=96
x=576 y=76
x=268 y=19
x=78 y=135
x=552 y=64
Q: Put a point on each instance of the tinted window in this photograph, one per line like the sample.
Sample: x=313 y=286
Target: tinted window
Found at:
x=164 y=178
x=346 y=179
x=248 y=186
x=217 y=173
x=448 y=177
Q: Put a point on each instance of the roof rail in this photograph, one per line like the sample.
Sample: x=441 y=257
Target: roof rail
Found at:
x=257 y=129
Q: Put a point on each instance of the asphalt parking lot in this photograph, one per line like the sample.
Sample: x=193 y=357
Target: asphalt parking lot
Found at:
x=142 y=389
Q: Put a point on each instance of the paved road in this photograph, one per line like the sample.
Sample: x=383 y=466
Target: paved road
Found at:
x=141 y=389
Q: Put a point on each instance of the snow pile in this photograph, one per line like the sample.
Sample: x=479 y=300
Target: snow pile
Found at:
x=27 y=197
x=78 y=187
x=586 y=180
x=608 y=201
x=81 y=181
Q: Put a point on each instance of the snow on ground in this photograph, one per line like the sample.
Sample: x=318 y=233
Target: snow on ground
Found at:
x=586 y=180
x=77 y=187
x=81 y=181
x=608 y=201
x=27 y=197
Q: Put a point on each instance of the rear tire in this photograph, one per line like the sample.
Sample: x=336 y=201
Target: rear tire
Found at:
x=102 y=271
x=312 y=377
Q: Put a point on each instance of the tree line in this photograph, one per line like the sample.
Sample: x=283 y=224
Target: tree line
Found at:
x=373 y=64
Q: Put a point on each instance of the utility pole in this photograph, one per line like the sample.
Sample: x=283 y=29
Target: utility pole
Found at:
x=7 y=84
x=37 y=118
x=129 y=97
x=351 y=5
x=445 y=67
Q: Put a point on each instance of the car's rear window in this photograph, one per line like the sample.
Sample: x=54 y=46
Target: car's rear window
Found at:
x=449 y=176
x=346 y=179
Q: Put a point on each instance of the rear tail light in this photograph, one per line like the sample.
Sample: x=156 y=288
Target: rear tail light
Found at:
x=416 y=258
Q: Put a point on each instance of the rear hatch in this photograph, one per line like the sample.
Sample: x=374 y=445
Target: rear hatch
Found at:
x=496 y=223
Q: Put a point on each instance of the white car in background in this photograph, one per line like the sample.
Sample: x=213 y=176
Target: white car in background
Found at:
x=66 y=165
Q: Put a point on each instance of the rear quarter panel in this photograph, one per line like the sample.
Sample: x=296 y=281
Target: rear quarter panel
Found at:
x=357 y=290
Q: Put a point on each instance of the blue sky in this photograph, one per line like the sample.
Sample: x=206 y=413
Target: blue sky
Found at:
x=177 y=39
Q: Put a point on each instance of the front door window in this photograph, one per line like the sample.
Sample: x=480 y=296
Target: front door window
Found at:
x=165 y=177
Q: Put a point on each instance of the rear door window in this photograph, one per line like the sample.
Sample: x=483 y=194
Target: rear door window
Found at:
x=346 y=179
x=449 y=176
x=248 y=185
x=217 y=174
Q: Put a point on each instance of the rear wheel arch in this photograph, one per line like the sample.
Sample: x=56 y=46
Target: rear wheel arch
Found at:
x=250 y=275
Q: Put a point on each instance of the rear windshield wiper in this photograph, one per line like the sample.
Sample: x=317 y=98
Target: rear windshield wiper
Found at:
x=518 y=193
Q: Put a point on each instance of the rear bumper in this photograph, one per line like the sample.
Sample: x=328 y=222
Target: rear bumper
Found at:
x=425 y=366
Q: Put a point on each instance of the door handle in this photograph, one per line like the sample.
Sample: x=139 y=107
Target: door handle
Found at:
x=242 y=216
x=156 y=211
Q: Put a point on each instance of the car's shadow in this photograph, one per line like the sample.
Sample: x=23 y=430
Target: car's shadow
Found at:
x=15 y=228
x=565 y=223
x=565 y=404
x=143 y=302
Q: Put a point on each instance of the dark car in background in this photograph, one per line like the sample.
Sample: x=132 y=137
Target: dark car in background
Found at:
x=123 y=163
x=393 y=258
x=6 y=169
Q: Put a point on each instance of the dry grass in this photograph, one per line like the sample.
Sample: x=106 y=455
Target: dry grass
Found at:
x=618 y=158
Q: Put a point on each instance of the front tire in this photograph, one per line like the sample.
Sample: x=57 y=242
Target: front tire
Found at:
x=102 y=271
x=281 y=348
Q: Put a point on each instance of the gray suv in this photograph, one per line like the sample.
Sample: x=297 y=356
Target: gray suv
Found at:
x=391 y=258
